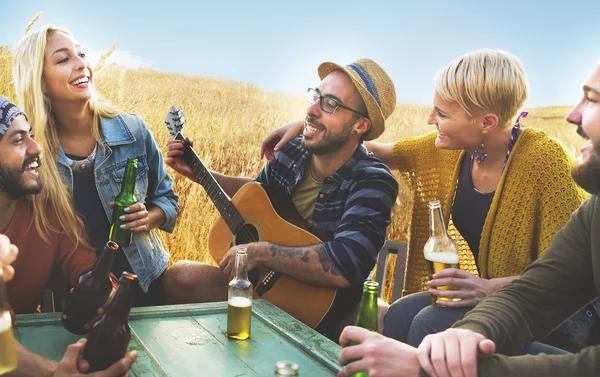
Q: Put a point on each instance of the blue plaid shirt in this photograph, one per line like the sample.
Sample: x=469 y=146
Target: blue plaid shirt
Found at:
x=354 y=203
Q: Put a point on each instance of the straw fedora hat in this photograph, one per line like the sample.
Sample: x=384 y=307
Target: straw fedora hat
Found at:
x=375 y=87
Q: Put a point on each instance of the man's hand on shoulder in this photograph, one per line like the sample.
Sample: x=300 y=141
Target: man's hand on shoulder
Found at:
x=454 y=352
x=375 y=354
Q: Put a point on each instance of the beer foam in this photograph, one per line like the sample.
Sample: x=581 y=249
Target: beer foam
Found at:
x=441 y=257
x=240 y=302
x=5 y=324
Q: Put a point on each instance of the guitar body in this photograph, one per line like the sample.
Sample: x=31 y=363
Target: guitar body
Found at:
x=307 y=303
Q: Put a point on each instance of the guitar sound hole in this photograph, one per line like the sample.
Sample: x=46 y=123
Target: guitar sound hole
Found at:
x=246 y=235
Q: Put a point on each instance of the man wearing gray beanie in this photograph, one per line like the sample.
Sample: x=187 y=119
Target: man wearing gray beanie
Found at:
x=19 y=179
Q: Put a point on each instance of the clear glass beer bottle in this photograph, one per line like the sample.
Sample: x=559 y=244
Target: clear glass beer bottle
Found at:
x=239 y=300
x=8 y=353
x=123 y=200
x=440 y=251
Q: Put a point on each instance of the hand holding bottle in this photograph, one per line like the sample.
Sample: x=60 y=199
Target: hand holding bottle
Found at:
x=470 y=289
x=90 y=293
x=109 y=338
x=365 y=352
x=8 y=254
x=73 y=365
x=136 y=217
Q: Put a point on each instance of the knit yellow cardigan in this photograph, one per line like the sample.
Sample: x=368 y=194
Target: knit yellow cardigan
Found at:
x=534 y=199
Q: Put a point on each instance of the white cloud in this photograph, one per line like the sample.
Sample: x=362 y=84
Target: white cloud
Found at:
x=120 y=57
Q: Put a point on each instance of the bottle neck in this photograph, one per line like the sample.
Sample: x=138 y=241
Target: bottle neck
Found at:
x=241 y=266
x=120 y=305
x=104 y=264
x=367 y=312
x=129 y=179
x=436 y=222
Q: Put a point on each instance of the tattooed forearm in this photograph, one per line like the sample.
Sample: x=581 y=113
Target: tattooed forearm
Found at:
x=326 y=262
x=291 y=252
x=304 y=253
x=310 y=264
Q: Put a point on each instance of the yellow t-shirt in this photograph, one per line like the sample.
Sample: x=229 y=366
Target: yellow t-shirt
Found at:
x=305 y=194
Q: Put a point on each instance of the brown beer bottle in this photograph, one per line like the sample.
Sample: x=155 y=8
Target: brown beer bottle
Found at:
x=109 y=338
x=91 y=292
x=8 y=353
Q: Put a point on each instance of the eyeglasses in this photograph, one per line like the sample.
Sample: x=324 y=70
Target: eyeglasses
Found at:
x=328 y=104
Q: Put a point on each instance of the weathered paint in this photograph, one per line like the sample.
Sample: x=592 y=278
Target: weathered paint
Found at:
x=189 y=340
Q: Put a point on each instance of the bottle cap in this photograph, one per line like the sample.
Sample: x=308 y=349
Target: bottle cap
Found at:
x=286 y=368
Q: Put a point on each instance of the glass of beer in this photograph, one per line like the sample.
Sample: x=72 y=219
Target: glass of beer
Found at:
x=8 y=353
x=239 y=301
x=440 y=251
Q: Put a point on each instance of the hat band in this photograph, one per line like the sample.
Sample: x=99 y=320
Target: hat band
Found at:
x=366 y=79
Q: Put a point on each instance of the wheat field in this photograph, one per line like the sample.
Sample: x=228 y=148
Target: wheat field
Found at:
x=228 y=119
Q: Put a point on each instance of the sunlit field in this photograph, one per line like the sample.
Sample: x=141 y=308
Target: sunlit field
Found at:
x=228 y=119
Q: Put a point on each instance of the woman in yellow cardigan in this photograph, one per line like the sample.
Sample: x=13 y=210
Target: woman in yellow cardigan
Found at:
x=505 y=191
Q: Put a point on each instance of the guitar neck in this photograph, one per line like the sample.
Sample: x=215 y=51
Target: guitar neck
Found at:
x=228 y=212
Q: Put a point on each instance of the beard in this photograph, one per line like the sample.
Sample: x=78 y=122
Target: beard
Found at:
x=331 y=142
x=12 y=180
x=587 y=174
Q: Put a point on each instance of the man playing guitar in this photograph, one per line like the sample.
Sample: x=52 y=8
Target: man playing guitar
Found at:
x=335 y=184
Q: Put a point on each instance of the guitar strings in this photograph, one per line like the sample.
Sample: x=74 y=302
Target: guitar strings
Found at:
x=214 y=190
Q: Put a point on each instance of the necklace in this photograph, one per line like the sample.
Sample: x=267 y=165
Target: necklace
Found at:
x=312 y=176
x=82 y=166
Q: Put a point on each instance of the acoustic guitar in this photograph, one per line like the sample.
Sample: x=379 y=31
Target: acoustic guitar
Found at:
x=259 y=213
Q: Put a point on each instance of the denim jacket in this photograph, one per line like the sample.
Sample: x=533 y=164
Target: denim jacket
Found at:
x=127 y=136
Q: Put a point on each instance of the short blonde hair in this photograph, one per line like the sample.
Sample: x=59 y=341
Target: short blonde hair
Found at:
x=485 y=81
x=28 y=76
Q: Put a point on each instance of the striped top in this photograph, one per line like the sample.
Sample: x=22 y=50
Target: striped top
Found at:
x=354 y=203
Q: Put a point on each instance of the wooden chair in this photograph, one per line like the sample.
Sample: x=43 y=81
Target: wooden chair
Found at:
x=400 y=249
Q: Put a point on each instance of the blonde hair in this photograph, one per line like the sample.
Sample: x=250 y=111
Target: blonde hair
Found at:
x=485 y=81
x=28 y=76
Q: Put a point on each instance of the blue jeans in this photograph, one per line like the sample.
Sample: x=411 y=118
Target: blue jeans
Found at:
x=412 y=318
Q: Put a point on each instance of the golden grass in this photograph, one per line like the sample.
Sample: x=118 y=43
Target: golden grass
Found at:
x=227 y=120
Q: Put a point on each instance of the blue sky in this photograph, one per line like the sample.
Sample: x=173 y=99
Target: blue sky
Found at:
x=278 y=45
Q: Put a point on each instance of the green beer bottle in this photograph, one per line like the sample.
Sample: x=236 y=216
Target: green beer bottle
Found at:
x=367 y=311
x=125 y=199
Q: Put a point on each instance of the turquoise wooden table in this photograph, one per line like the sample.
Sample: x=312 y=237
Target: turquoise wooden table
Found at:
x=189 y=340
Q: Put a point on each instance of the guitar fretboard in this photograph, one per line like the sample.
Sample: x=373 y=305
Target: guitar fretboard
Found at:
x=229 y=213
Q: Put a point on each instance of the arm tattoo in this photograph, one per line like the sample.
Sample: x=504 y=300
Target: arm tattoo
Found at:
x=291 y=252
x=326 y=262
x=304 y=253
